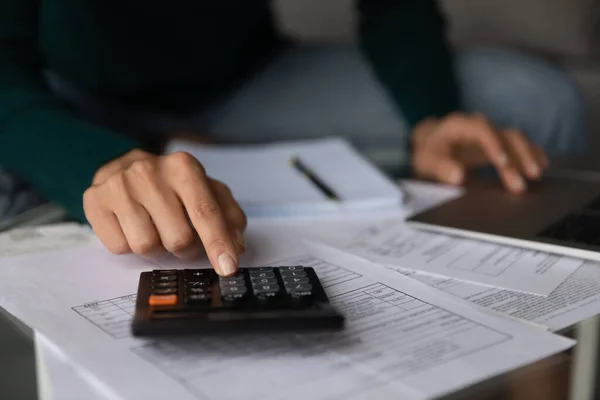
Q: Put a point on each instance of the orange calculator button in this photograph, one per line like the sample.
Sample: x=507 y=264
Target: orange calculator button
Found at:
x=162 y=300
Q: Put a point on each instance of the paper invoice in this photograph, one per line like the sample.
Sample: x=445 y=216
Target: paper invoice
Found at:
x=574 y=300
x=401 y=247
x=403 y=339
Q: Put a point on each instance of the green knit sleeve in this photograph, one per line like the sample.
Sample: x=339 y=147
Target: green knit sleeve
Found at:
x=404 y=40
x=40 y=139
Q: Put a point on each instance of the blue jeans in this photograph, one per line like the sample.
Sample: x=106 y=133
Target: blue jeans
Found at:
x=321 y=91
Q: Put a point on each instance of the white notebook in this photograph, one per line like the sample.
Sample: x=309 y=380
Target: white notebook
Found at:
x=266 y=183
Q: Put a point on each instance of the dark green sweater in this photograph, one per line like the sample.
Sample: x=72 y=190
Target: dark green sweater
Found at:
x=151 y=52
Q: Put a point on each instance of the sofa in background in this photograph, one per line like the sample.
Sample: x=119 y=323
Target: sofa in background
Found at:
x=564 y=31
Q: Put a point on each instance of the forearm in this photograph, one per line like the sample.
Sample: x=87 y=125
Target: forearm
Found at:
x=40 y=140
x=405 y=42
x=57 y=154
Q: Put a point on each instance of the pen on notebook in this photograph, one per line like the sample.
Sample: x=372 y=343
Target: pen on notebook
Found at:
x=303 y=169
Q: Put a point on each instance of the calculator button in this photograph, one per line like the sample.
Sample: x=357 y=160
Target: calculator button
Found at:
x=164 y=285
x=164 y=278
x=198 y=284
x=302 y=287
x=197 y=290
x=263 y=281
x=233 y=298
x=232 y=282
x=267 y=297
x=165 y=291
x=202 y=298
x=294 y=268
x=301 y=299
x=196 y=273
x=260 y=289
x=300 y=293
x=289 y=281
x=258 y=274
x=292 y=274
x=162 y=300
x=263 y=269
x=164 y=272
x=241 y=290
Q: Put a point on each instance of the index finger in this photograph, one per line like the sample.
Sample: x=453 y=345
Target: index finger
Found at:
x=478 y=130
x=190 y=183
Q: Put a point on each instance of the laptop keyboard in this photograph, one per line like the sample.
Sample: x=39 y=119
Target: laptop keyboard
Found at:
x=582 y=226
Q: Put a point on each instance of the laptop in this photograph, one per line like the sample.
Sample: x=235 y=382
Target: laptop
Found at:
x=559 y=214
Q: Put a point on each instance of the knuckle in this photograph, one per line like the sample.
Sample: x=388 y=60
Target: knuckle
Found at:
x=224 y=188
x=238 y=217
x=453 y=116
x=117 y=182
x=479 y=118
x=180 y=242
x=206 y=209
x=118 y=248
x=144 y=169
x=143 y=245
x=136 y=153
x=99 y=176
x=484 y=127
x=454 y=122
x=515 y=134
x=182 y=159
x=90 y=197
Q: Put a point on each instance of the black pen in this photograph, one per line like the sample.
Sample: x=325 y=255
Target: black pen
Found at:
x=299 y=165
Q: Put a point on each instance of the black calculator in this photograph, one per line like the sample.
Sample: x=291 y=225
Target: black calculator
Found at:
x=198 y=301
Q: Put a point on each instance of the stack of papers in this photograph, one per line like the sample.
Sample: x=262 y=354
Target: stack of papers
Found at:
x=426 y=317
x=403 y=339
x=404 y=248
x=296 y=178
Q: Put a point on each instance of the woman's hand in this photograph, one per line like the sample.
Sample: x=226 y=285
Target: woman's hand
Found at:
x=445 y=149
x=148 y=205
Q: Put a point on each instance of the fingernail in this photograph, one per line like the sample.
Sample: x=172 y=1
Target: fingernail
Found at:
x=240 y=238
x=226 y=264
x=534 y=170
x=502 y=159
x=518 y=183
x=455 y=177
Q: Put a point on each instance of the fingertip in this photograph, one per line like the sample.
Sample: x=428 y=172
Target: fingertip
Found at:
x=455 y=176
x=533 y=171
x=517 y=184
x=226 y=265
x=502 y=159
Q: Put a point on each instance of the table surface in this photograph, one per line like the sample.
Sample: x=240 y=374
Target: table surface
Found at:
x=569 y=375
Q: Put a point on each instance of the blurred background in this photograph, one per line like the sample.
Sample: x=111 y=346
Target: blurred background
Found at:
x=565 y=31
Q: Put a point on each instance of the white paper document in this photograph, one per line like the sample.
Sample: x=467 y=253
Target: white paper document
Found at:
x=403 y=338
x=59 y=379
x=421 y=195
x=266 y=184
x=574 y=300
x=401 y=247
x=42 y=238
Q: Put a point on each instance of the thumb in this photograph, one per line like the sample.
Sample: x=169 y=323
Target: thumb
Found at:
x=442 y=168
